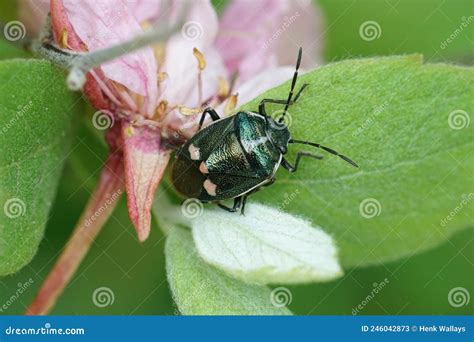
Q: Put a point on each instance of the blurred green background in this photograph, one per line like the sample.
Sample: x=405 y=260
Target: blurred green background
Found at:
x=136 y=272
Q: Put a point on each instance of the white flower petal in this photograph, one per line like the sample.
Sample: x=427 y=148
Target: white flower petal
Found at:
x=265 y=246
x=259 y=84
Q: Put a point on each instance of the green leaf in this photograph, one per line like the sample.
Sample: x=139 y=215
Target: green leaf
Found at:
x=200 y=289
x=265 y=246
x=397 y=118
x=35 y=122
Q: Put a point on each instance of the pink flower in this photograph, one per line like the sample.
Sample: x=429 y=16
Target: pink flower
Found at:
x=144 y=90
x=251 y=49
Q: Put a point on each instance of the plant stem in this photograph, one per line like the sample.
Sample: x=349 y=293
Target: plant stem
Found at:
x=98 y=210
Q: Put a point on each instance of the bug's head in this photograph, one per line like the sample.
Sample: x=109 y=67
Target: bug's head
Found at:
x=279 y=134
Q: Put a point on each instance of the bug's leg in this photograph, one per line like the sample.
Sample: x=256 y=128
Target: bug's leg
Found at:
x=226 y=208
x=211 y=112
x=327 y=149
x=242 y=208
x=270 y=182
x=289 y=101
x=299 y=155
x=237 y=205
x=244 y=198
x=298 y=94
x=261 y=106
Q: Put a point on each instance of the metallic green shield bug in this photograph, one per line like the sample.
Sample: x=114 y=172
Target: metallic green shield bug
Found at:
x=235 y=156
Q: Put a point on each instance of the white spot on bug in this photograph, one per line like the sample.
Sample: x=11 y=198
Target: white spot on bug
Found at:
x=210 y=187
x=194 y=152
x=250 y=145
x=203 y=168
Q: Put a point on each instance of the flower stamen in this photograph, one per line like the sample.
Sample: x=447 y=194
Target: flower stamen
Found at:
x=160 y=110
x=189 y=111
x=63 y=40
x=224 y=88
x=230 y=104
x=201 y=66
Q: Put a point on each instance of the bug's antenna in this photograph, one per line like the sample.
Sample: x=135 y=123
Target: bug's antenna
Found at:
x=293 y=83
x=327 y=149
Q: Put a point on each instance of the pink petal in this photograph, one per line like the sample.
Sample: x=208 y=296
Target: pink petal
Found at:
x=60 y=24
x=145 y=162
x=180 y=64
x=201 y=24
x=94 y=93
x=104 y=23
x=258 y=35
x=182 y=68
x=144 y=10
x=187 y=94
x=264 y=81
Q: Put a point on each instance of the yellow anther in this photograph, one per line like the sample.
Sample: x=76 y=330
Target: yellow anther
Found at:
x=129 y=131
x=159 y=52
x=224 y=88
x=63 y=39
x=189 y=111
x=162 y=76
x=231 y=104
x=161 y=109
x=146 y=25
x=200 y=58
